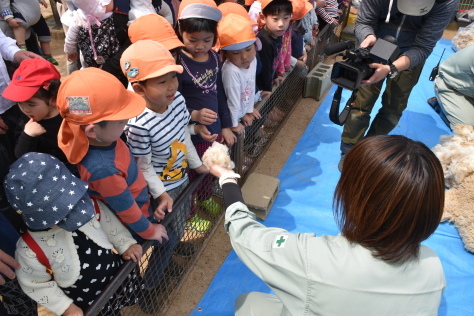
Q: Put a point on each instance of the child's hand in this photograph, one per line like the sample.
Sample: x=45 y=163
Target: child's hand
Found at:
x=14 y=23
x=278 y=81
x=73 y=310
x=204 y=116
x=3 y=127
x=166 y=203
x=205 y=134
x=202 y=169
x=304 y=57
x=34 y=129
x=72 y=57
x=300 y=65
x=265 y=95
x=248 y=119
x=6 y=264
x=228 y=136
x=160 y=233
x=239 y=129
x=256 y=114
x=134 y=253
x=44 y=3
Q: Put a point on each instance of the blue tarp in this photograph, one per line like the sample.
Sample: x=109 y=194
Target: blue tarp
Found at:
x=304 y=203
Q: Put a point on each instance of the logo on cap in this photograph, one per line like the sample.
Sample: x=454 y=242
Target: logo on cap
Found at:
x=423 y=10
x=79 y=105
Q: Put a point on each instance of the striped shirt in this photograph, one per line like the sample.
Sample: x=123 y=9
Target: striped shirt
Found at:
x=113 y=177
x=162 y=136
x=329 y=12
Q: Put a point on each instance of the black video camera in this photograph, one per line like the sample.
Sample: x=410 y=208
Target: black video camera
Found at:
x=355 y=67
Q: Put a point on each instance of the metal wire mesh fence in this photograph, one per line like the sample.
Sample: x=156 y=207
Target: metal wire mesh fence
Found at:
x=150 y=283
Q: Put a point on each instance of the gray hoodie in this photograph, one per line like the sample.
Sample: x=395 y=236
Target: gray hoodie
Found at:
x=416 y=35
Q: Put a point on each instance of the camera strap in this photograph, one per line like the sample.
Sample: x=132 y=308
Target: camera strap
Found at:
x=334 y=115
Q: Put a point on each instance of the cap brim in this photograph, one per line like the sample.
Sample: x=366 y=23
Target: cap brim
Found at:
x=131 y=108
x=19 y=93
x=79 y=215
x=171 y=43
x=415 y=8
x=162 y=71
x=200 y=10
x=239 y=46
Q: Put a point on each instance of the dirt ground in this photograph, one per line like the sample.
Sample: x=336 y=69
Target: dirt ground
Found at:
x=218 y=247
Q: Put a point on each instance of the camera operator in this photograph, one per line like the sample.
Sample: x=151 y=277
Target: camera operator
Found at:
x=417 y=25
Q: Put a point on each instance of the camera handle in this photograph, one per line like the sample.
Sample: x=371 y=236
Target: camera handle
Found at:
x=334 y=115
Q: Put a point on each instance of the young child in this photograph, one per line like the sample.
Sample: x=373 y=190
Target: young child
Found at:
x=238 y=72
x=201 y=86
x=159 y=137
x=66 y=255
x=34 y=86
x=23 y=14
x=328 y=14
x=301 y=9
x=276 y=17
x=96 y=107
x=93 y=31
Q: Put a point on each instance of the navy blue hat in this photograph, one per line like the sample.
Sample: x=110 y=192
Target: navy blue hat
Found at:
x=46 y=193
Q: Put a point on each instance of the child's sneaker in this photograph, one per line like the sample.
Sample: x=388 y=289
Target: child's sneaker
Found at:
x=211 y=207
x=51 y=59
x=197 y=224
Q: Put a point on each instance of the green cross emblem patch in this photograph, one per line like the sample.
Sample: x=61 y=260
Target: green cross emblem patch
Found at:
x=279 y=241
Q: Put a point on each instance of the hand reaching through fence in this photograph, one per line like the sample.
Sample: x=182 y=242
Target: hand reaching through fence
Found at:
x=134 y=253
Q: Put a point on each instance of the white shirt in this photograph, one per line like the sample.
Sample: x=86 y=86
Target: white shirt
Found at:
x=239 y=86
x=8 y=49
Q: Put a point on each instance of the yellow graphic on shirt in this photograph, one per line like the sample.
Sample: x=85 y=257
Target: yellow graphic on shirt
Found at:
x=170 y=173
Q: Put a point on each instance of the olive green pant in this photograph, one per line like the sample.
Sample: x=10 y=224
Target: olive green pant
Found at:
x=394 y=102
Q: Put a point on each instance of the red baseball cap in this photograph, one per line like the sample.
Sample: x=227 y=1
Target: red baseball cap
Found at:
x=31 y=75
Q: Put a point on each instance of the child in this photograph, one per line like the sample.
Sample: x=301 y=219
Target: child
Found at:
x=93 y=31
x=96 y=107
x=238 y=72
x=22 y=14
x=34 y=86
x=328 y=14
x=275 y=16
x=161 y=32
x=75 y=242
x=201 y=86
x=301 y=8
x=159 y=137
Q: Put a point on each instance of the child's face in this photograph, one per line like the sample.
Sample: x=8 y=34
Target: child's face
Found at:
x=111 y=132
x=277 y=24
x=198 y=44
x=242 y=58
x=160 y=91
x=37 y=109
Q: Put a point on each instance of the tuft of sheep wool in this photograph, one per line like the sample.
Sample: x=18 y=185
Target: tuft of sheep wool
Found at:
x=456 y=153
x=217 y=154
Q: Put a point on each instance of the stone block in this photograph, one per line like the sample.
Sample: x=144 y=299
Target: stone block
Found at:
x=318 y=82
x=259 y=193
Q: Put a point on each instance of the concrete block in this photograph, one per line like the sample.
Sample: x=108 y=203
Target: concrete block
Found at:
x=259 y=193
x=318 y=82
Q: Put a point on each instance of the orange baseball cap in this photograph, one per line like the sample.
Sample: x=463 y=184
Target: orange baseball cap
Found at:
x=235 y=32
x=31 y=75
x=231 y=7
x=89 y=96
x=204 y=9
x=147 y=59
x=156 y=28
x=300 y=9
x=265 y=3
